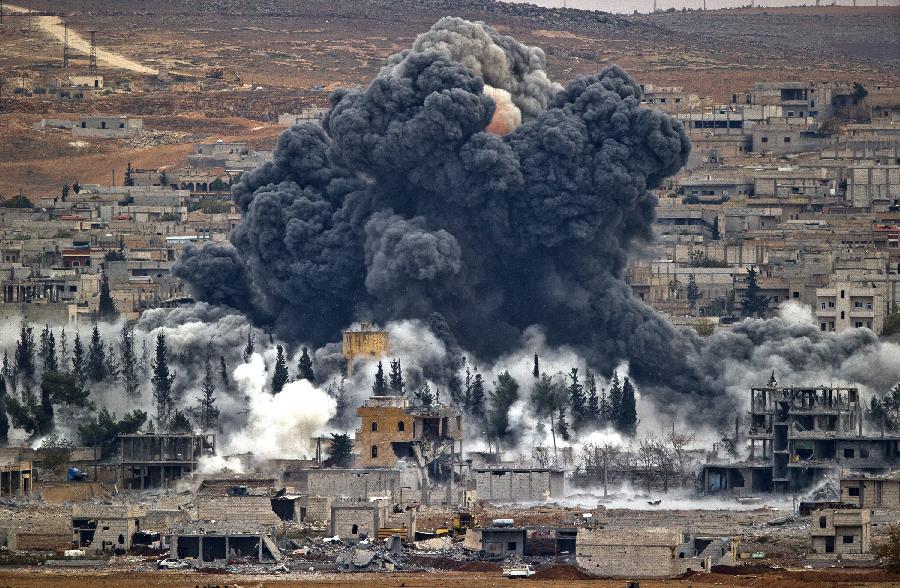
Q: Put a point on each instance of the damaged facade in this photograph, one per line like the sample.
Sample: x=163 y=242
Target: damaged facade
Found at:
x=799 y=435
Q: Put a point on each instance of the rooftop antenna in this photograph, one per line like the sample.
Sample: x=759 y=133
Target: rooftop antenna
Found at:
x=92 y=67
x=65 y=45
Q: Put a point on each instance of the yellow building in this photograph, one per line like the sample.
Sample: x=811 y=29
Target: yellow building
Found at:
x=366 y=342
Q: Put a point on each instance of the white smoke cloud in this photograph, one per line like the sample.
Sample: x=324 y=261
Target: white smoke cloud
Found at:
x=279 y=425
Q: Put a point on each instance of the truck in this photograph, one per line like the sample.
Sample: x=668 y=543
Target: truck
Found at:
x=519 y=572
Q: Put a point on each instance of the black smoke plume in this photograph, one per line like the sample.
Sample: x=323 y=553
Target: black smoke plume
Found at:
x=402 y=206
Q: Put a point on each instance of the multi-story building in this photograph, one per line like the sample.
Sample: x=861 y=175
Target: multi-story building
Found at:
x=842 y=531
x=845 y=305
x=391 y=430
x=799 y=435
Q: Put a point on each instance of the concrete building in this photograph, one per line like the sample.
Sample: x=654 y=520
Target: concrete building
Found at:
x=105 y=528
x=503 y=541
x=796 y=99
x=871 y=491
x=356 y=484
x=209 y=542
x=840 y=531
x=365 y=342
x=647 y=553
x=108 y=127
x=237 y=499
x=150 y=460
x=518 y=484
x=844 y=305
x=16 y=479
x=799 y=435
x=391 y=430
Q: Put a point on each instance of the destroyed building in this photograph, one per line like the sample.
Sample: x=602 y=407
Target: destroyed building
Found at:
x=237 y=499
x=799 y=435
x=213 y=541
x=871 y=491
x=391 y=430
x=105 y=528
x=151 y=460
x=365 y=342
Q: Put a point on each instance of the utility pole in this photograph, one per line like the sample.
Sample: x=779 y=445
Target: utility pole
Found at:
x=66 y=45
x=92 y=65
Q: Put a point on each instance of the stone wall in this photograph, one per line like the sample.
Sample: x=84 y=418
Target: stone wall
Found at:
x=509 y=485
x=345 y=519
x=357 y=484
x=236 y=509
x=647 y=554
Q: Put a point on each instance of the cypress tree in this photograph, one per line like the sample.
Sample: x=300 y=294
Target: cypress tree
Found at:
x=162 y=382
x=44 y=417
x=536 y=370
x=396 y=378
x=628 y=415
x=25 y=354
x=79 y=363
x=96 y=358
x=47 y=351
x=64 y=350
x=467 y=392
x=223 y=373
x=379 y=386
x=106 y=310
x=305 y=367
x=341 y=449
x=576 y=398
x=593 y=401
x=248 y=350
x=505 y=393
x=129 y=369
x=7 y=371
x=562 y=427
x=615 y=401
x=603 y=417
x=4 y=421
x=752 y=302
x=208 y=413
x=280 y=375
x=477 y=397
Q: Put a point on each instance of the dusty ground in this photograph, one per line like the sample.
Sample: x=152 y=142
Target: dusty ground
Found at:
x=36 y=578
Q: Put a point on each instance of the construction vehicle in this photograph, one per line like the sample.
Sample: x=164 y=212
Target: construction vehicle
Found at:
x=462 y=521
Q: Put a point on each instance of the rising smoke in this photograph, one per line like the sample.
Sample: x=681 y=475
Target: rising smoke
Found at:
x=465 y=191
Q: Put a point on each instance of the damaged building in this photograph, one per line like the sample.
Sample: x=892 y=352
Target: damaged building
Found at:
x=106 y=528
x=518 y=484
x=797 y=437
x=227 y=542
x=648 y=553
x=840 y=532
x=155 y=460
x=391 y=431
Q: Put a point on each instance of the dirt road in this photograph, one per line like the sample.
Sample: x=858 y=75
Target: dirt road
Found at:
x=53 y=26
x=42 y=578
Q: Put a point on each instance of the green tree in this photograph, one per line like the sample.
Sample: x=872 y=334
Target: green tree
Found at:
x=63 y=351
x=693 y=292
x=107 y=310
x=562 y=427
x=424 y=395
x=79 y=362
x=44 y=413
x=248 y=349
x=280 y=375
x=103 y=430
x=888 y=549
x=753 y=303
x=341 y=449
x=305 y=367
x=505 y=393
x=223 y=373
x=65 y=191
x=885 y=412
x=4 y=421
x=379 y=386
x=180 y=423
x=396 y=378
x=27 y=414
x=76 y=187
x=96 y=358
x=162 y=382
x=63 y=388
x=577 y=400
x=604 y=415
x=163 y=179
x=47 y=351
x=467 y=392
x=55 y=452
x=593 y=400
x=128 y=373
x=478 y=396
x=536 y=370
x=628 y=415
x=25 y=354
x=129 y=175
x=859 y=92
x=615 y=401
x=207 y=413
